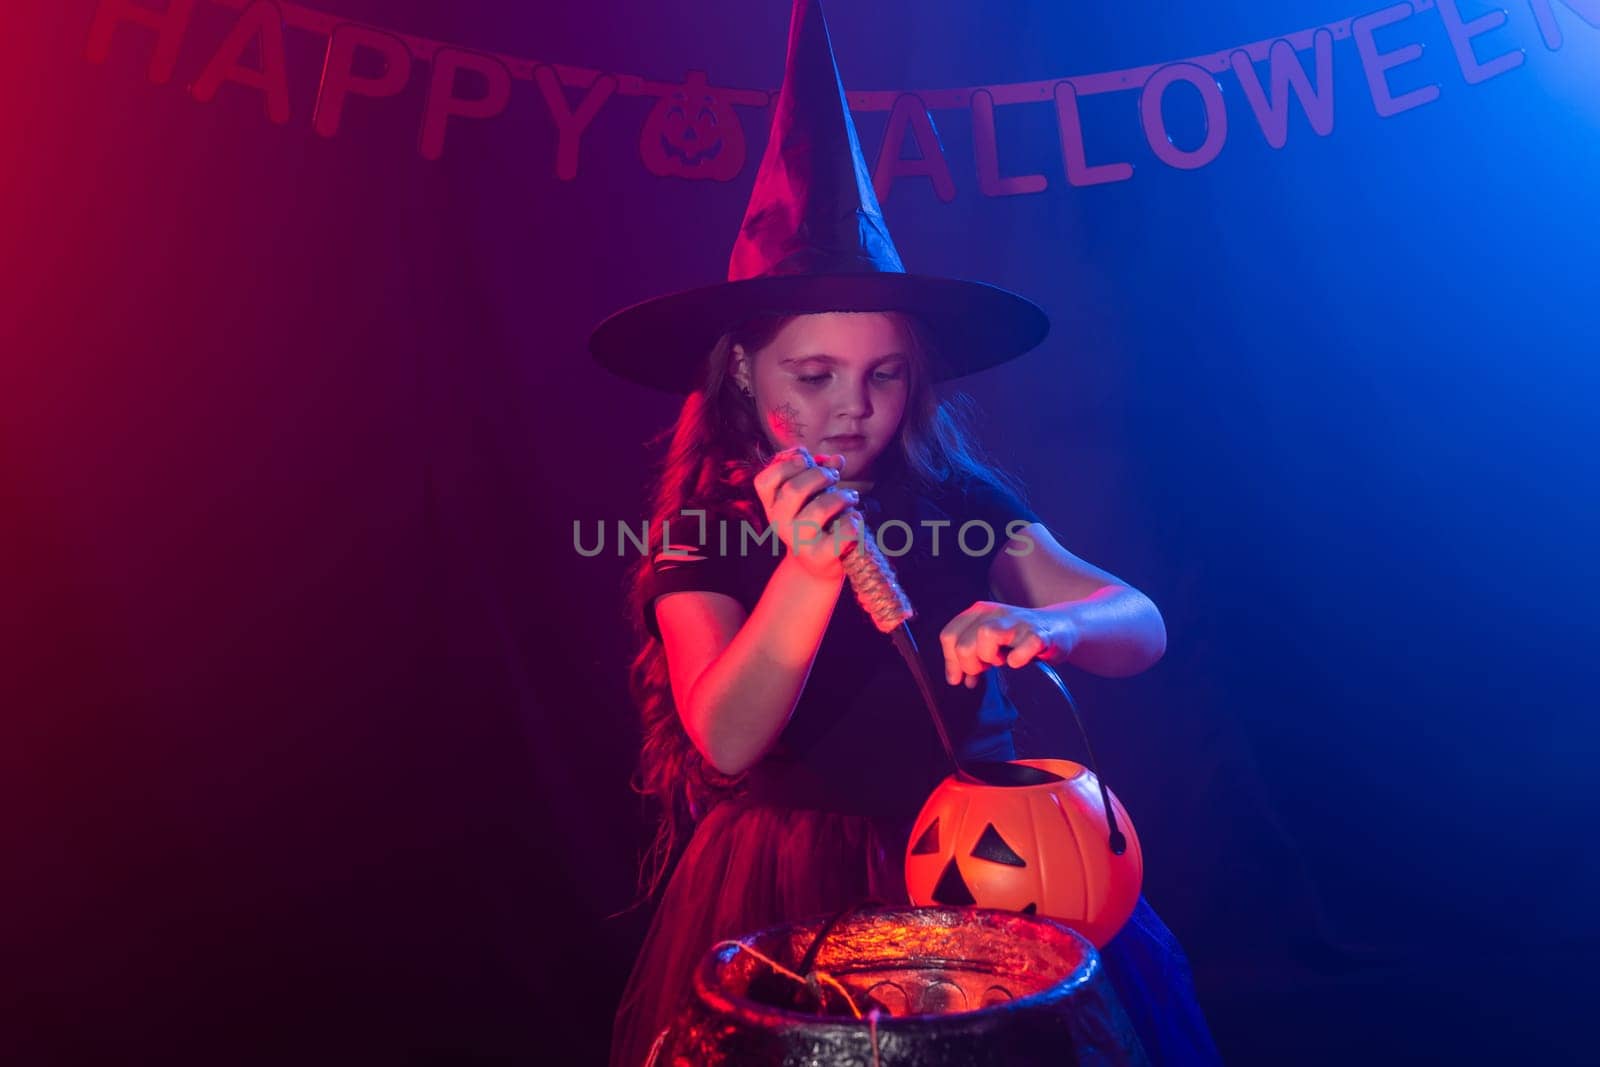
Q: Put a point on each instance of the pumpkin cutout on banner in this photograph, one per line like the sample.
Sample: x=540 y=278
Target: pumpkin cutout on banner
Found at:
x=692 y=132
x=999 y=835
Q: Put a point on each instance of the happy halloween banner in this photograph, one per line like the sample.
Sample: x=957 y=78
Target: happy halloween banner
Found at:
x=695 y=129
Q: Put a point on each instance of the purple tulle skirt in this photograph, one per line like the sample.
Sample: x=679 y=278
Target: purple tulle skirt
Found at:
x=750 y=866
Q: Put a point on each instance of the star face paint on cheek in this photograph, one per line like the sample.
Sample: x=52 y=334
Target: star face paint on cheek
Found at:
x=784 y=420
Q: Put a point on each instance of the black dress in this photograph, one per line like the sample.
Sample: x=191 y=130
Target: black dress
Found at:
x=824 y=818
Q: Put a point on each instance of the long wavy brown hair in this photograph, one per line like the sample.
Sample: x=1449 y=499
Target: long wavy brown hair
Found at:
x=717 y=445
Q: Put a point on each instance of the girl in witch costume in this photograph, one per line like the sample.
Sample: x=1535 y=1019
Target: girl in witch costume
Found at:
x=783 y=737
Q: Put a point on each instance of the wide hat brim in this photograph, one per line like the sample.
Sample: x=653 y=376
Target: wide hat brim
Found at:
x=665 y=342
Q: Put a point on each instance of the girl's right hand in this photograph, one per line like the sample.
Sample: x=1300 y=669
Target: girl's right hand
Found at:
x=814 y=518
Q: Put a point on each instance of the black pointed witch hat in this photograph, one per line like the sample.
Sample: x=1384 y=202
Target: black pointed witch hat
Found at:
x=814 y=239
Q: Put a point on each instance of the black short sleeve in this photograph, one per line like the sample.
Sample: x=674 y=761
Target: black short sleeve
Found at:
x=689 y=562
x=994 y=505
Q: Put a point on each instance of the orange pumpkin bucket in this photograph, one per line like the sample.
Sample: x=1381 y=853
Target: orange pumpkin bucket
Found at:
x=1030 y=836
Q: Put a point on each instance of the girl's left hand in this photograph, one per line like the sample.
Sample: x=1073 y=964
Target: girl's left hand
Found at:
x=973 y=640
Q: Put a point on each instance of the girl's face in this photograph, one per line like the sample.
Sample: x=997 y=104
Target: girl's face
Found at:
x=834 y=382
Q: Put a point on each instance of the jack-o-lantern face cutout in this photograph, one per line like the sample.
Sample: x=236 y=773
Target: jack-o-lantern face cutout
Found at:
x=693 y=132
x=952 y=888
x=1040 y=848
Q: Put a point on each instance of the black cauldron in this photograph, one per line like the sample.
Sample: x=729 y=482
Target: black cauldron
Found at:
x=936 y=987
